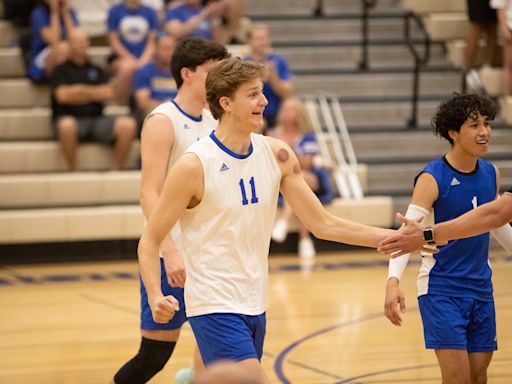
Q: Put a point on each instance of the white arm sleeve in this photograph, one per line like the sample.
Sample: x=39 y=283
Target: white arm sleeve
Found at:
x=398 y=264
x=504 y=237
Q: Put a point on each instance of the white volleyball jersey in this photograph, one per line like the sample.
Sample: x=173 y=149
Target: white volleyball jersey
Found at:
x=187 y=130
x=226 y=237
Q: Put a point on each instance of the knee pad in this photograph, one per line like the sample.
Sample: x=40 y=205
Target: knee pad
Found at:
x=151 y=358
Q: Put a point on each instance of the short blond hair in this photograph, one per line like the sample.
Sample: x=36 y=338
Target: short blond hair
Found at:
x=303 y=119
x=226 y=77
x=257 y=27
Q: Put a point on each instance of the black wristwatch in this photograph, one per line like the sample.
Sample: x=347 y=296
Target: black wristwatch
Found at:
x=428 y=235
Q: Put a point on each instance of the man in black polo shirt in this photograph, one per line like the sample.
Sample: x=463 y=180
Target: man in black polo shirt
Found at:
x=79 y=92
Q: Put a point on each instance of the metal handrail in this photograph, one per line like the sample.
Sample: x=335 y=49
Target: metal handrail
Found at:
x=419 y=60
x=335 y=143
x=366 y=5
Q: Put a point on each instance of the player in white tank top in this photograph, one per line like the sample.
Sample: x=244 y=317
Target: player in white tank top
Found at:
x=187 y=130
x=167 y=132
x=228 y=186
x=240 y=193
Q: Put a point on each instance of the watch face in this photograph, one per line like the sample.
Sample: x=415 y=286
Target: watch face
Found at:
x=428 y=234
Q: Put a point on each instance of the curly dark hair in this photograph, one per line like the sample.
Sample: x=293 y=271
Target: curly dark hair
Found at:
x=452 y=113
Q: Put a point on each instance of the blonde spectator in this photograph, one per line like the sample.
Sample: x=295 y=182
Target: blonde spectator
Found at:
x=294 y=128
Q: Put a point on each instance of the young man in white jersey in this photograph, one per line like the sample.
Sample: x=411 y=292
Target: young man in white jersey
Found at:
x=226 y=203
x=455 y=291
x=167 y=132
x=485 y=218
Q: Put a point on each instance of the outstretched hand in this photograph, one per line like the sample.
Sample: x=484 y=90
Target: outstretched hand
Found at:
x=409 y=238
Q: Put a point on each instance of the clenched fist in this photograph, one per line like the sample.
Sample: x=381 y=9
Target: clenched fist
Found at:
x=164 y=308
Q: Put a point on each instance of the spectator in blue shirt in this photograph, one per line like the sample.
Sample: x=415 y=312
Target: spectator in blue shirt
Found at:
x=132 y=33
x=191 y=18
x=154 y=83
x=279 y=84
x=51 y=23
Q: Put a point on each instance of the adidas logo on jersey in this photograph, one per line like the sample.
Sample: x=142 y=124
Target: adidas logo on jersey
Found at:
x=223 y=167
x=454 y=182
x=185 y=126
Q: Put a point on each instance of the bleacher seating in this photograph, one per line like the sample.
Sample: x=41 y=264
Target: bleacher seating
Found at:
x=40 y=202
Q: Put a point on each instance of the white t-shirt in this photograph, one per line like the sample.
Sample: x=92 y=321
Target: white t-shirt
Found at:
x=226 y=237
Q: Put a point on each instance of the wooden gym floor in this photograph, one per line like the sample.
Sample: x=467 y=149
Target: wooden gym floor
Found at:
x=77 y=323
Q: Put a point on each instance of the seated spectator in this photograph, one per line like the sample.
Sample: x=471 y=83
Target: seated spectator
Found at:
x=504 y=12
x=132 y=33
x=79 y=92
x=279 y=84
x=154 y=83
x=294 y=128
x=482 y=20
x=93 y=14
x=231 y=14
x=191 y=18
x=234 y=10
x=51 y=22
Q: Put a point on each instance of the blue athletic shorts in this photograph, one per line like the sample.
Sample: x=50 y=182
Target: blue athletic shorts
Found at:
x=146 y=318
x=229 y=336
x=458 y=323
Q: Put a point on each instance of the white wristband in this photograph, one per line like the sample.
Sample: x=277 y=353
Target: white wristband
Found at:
x=398 y=264
x=504 y=237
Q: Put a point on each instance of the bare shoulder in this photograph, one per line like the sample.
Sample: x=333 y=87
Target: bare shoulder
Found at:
x=425 y=191
x=158 y=126
x=285 y=156
x=281 y=150
x=189 y=163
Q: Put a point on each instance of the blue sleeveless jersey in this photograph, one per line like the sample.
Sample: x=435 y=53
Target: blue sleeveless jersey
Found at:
x=461 y=268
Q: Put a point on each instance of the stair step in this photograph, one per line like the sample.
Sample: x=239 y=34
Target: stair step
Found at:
x=68 y=189
x=35 y=123
x=314 y=30
x=299 y=58
x=8 y=33
x=398 y=178
x=447 y=26
x=22 y=93
x=127 y=221
x=433 y=6
x=388 y=84
x=42 y=156
x=286 y=8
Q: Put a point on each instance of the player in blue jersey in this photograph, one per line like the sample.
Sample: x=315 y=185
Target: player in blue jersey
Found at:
x=224 y=192
x=455 y=290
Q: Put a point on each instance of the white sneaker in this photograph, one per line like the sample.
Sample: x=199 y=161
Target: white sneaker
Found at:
x=306 y=248
x=184 y=376
x=280 y=231
x=473 y=82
